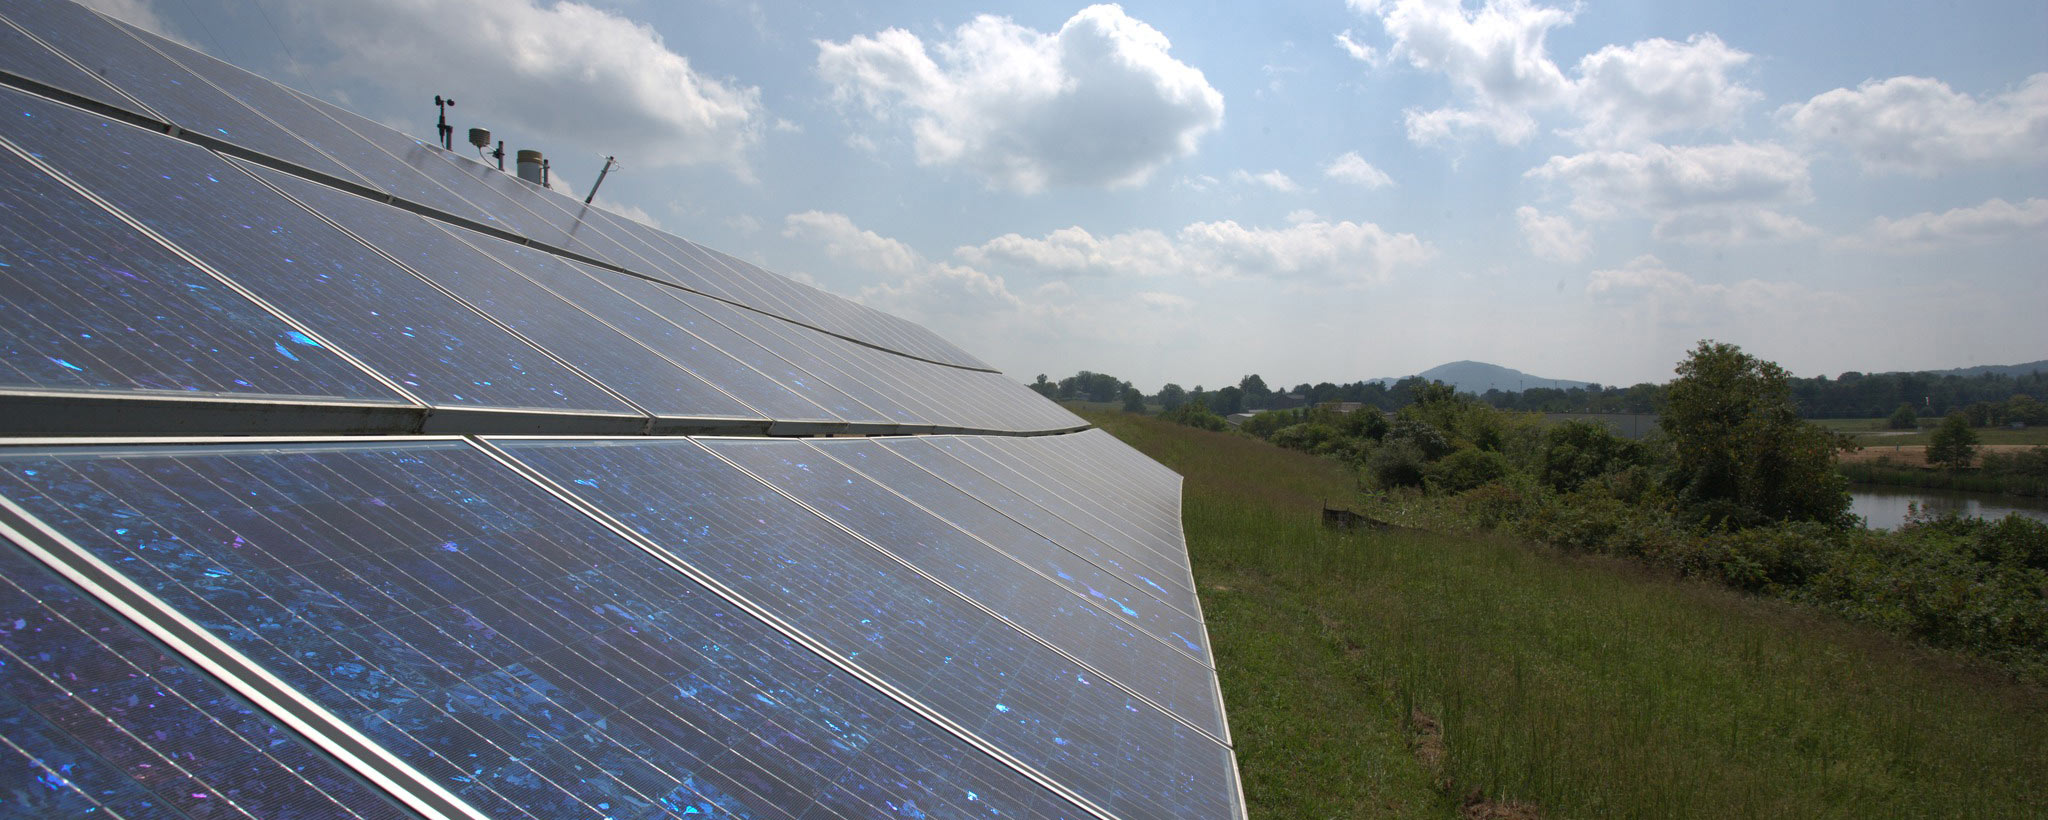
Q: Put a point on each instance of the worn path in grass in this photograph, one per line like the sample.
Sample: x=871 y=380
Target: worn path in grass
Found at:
x=1576 y=686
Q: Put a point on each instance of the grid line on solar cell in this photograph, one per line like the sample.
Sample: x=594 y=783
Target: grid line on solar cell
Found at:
x=433 y=346
x=934 y=549
x=988 y=523
x=816 y=363
x=151 y=320
x=992 y=481
x=1110 y=748
x=1146 y=509
x=74 y=677
x=1019 y=477
x=632 y=372
x=514 y=621
x=1049 y=478
x=25 y=55
x=568 y=281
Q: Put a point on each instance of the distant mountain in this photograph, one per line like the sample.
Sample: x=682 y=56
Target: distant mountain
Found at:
x=1479 y=377
x=2012 y=370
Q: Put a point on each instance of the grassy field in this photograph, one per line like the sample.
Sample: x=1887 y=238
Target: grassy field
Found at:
x=1425 y=675
x=1876 y=433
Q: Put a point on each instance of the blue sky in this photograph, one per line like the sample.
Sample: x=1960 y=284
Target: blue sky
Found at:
x=1190 y=192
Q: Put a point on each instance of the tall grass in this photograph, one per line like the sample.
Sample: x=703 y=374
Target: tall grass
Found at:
x=1580 y=685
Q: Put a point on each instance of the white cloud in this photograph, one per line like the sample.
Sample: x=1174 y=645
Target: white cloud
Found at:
x=1552 y=237
x=1310 y=251
x=1994 y=221
x=1494 y=56
x=846 y=242
x=566 y=70
x=1352 y=168
x=1709 y=194
x=140 y=14
x=1917 y=125
x=1676 y=299
x=1628 y=94
x=1271 y=179
x=1098 y=103
x=1163 y=300
x=1496 y=60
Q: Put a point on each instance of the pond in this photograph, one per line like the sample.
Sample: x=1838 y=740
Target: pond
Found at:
x=1885 y=507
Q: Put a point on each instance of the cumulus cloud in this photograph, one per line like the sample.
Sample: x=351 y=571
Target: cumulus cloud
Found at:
x=1310 y=251
x=567 y=70
x=1353 y=169
x=1709 y=194
x=1630 y=94
x=1916 y=125
x=1994 y=221
x=1271 y=179
x=1100 y=102
x=849 y=243
x=1646 y=282
x=1552 y=237
x=1496 y=59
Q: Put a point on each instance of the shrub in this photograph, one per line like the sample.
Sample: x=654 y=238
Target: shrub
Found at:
x=1465 y=469
x=1397 y=463
x=1196 y=414
x=1575 y=452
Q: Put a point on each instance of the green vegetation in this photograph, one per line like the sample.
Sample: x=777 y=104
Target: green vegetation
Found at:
x=1953 y=445
x=1404 y=673
x=1904 y=418
x=2022 y=473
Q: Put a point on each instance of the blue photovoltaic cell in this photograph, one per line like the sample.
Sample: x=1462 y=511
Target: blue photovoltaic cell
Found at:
x=1117 y=552
x=577 y=283
x=978 y=571
x=89 y=303
x=384 y=163
x=1148 y=504
x=815 y=360
x=1057 y=480
x=401 y=326
x=96 y=721
x=188 y=101
x=615 y=361
x=1151 y=521
x=990 y=488
x=25 y=57
x=1115 y=750
x=668 y=302
x=985 y=518
x=499 y=642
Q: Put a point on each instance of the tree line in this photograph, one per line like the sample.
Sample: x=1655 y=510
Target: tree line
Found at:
x=1987 y=400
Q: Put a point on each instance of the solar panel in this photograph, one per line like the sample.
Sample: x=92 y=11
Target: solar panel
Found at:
x=1111 y=748
x=97 y=720
x=496 y=640
x=398 y=324
x=180 y=96
x=914 y=517
x=642 y=376
x=607 y=621
x=22 y=56
x=995 y=515
x=89 y=303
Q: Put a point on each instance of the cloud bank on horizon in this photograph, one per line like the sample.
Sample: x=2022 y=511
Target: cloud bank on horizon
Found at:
x=1337 y=192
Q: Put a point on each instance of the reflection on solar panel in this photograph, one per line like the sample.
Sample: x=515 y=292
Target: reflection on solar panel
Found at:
x=405 y=610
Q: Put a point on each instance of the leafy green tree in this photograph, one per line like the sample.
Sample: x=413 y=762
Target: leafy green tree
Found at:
x=1465 y=469
x=1172 y=396
x=1577 y=451
x=1397 y=463
x=1256 y=394
x=1227 y=401
x=1045 y=388
x=1134 y=401
x=1195 y=414
x=1954 y=444
x=1904 y=418
x=1741 y=456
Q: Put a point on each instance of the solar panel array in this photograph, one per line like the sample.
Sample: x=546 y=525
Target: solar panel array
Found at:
x=342 y=476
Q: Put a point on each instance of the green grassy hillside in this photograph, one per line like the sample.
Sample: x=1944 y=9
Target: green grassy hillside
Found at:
x=1416 y=674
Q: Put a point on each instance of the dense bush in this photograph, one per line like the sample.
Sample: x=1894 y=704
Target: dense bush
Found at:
x=1397 y=463
x=1196 y=414
x=1575 y=452
x=1465 y=469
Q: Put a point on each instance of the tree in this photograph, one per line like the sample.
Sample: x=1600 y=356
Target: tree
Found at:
x=1227 y=401
x=1741 y=456
x=1904 y=418
x=1172 y=396
x=1045 y=388
x=1134 y=401
x=1954 y=444
x=1256 y=394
